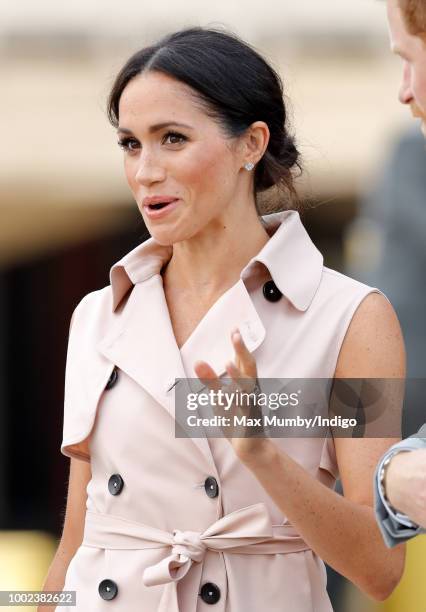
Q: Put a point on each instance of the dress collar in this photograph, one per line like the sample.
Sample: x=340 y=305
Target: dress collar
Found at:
x=293 y=261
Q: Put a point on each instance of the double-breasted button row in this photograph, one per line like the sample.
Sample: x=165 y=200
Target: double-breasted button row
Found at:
x=210 y=593
x=108 y=589
x=271 y=291
x=211 y=487
x=115 y=484
x=112 y=379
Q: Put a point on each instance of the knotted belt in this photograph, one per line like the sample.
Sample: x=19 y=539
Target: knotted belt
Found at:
x=247 y=531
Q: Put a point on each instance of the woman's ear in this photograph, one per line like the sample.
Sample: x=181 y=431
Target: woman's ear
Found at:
x=256 y=141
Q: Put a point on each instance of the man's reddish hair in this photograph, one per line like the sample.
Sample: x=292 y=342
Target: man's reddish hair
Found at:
x=414 y=12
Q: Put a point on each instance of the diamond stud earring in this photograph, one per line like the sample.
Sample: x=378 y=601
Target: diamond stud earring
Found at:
x=249 y=166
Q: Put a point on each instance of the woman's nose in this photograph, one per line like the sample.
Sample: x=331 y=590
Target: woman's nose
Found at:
x=149 y=171
x=405 y=92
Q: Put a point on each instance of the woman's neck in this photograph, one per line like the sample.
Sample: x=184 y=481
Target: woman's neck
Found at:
x=212 y=261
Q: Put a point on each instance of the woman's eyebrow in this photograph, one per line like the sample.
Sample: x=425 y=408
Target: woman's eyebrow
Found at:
x=157 y=126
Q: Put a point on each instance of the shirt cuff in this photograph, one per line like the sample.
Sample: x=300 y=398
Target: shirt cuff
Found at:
x=400 y=518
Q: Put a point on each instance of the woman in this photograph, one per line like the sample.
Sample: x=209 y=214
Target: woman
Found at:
x=179 y=524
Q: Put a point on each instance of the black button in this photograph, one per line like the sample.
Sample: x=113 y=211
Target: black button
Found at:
x=107 y=589
x=112 y=379
x=210 y=593
x=211 y=486
x=271 y=291
x=115 y=484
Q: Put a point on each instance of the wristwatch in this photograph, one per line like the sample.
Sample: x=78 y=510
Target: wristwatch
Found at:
x=399 y=516
x=382 y=476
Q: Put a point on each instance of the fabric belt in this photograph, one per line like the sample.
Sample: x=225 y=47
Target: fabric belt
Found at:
x=247 y=531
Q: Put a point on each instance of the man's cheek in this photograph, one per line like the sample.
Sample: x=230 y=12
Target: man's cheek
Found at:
x=421 y=89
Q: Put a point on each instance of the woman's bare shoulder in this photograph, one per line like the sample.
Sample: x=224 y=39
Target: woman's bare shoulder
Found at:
x=373 y=346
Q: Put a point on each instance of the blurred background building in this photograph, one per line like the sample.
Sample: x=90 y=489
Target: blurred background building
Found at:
x=67 y=216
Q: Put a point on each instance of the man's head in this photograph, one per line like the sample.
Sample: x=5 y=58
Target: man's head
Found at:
x=407 y=28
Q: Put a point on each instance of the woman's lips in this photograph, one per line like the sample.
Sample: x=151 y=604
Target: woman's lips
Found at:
x=154 y=213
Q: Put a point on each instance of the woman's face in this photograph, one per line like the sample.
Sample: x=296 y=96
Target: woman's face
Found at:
x=174 y=151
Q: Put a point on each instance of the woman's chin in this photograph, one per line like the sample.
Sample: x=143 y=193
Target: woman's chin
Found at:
x=166 y=236
x=170 y=233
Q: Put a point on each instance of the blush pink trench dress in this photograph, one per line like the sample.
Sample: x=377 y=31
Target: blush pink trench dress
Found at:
x=180 y=524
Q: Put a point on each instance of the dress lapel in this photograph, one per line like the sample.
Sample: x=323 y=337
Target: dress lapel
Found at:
x=211 y=339
x=141 y=342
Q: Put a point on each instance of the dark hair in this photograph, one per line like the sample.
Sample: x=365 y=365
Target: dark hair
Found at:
x=234 y=84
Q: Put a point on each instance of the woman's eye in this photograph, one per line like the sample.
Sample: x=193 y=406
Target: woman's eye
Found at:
x=174 y=138
x=128 y=144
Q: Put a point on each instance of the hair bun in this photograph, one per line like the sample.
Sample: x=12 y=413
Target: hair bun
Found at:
x=289 y=154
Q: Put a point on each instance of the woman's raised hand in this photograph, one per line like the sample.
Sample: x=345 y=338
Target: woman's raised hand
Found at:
x=245 y=434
